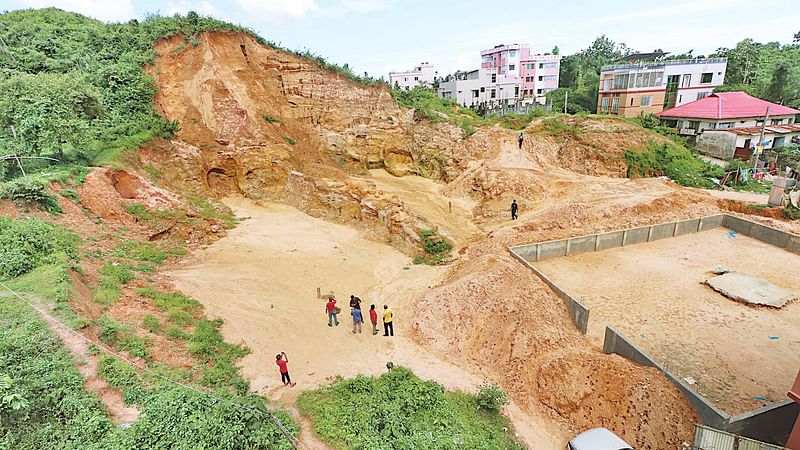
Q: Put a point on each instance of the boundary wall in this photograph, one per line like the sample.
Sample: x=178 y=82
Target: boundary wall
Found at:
x=771 y=423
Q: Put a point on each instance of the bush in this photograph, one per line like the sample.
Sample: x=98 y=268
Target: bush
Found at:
x=491 y=397
x=31 y=192
x=138 y=211
x=28 y=243
x=671 y=160
x=58 y=412
x=399 y=410
x=271 y=119
x=151 y=323
x=140 y=251
x=791 y=213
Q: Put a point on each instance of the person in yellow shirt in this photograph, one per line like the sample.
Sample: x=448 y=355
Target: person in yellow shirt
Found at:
x=388 y=328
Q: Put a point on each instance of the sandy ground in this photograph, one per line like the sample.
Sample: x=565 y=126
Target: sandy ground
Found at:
x=747 y=197
x=653 y=294
x=423 y=198
x=262 y=279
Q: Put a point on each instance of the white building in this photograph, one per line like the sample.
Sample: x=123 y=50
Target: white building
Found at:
x=508 y=75
x=421 y=75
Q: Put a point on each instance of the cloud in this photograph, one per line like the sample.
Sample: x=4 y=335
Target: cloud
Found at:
x=107 y=11
x=276 y=10
x=203 y=8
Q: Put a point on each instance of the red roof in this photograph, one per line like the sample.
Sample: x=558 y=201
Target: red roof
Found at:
x=727 y=105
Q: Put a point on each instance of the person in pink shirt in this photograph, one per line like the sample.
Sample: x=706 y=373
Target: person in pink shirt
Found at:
x=282 y=360
x=330 y=308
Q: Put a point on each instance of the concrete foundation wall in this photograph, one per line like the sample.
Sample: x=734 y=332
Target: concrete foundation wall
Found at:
x=763 y=233
x=609 y=240
x=687 y=227
x=636 y=235
x=663 y=231
x=771 y=423
x=552 y=249
x=577 y=311
x=711 y=222
x=579 y=245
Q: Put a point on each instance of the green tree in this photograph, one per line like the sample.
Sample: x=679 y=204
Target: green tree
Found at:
x=49 y=113
x=555 y=50
x=776 y=91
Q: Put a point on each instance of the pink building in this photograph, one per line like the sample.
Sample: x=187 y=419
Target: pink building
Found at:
x=537 y=74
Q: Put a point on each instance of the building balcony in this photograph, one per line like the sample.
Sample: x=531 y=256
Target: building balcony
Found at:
x=662 y=64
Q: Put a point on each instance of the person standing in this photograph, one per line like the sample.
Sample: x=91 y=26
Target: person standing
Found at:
x=388 y=327
x=330 y=308
x=282 y=360
x=357 y=320
x=373 y=317
x=514 y=208
x=355 y=302
x=520 y=139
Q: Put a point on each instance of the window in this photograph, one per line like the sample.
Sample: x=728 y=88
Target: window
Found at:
x=494 y=78
x=607 y=84
x=512 y=54
x=474 y=93
x=405 y=79
x=646 y=100
x=541 y=78
x=614 y=104
x=712 y=126
x=416 y=78
x=493 y=94
x=621 y=81
x=516 y=91
x=702 y=95
x=541 y=65
x=511 y=67
x=604 y=104
x=483 y=89
x=694 y=124
x=687 y=80
x=406 y=87
x=632 y=100
x=539 y=91
x=706 y=77
x=747 y=143
x=776 y=121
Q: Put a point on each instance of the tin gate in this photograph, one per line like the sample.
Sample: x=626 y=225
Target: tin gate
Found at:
x=706 y=438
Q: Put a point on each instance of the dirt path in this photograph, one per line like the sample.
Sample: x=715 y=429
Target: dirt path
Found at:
x=423 y=197
x=262 y=279
x=747 y=197
x=86 y=364
x=653 y=294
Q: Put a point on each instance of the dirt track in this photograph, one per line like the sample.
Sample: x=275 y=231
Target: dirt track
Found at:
x=288 y=254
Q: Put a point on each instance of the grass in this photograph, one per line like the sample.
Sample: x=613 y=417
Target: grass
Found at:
x=59 y=413
x=436 y=247
x=557 y=126
x=122 y=337
x=109 y=287
x=214 y=211
x=151 y=323
x=140 y=251
x=271 y=119
x=399 y=410
x=289 y=140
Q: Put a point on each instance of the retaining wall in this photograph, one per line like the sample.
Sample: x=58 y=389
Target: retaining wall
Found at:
x=578 y=313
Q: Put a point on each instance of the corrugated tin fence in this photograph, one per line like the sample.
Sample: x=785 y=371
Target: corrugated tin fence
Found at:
x=706 y=438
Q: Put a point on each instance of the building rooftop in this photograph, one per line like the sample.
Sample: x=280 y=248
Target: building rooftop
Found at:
x=727 y=105
x=771 y=129
x=661 y=64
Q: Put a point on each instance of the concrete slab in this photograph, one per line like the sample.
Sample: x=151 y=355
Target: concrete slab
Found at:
x=749 y=289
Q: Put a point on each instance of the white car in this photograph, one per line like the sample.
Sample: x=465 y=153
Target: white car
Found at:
x=598 y=439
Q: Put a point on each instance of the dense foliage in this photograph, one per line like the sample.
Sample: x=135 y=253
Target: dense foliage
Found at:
x=673 y=161
x=426 y=104
x=59 y=413
x=27 y=243
x=400 y=411
x=75 y=88
x=770 y=71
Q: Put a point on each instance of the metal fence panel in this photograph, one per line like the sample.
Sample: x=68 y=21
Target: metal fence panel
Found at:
x=706 y=438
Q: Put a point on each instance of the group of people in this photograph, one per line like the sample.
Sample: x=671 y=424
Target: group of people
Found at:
x=332 y=311
x=358 y=318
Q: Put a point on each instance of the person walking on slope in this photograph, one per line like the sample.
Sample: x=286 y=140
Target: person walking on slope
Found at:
x=330 y=308
x=388 y=327
x=520 y=139
x=355 y=302
x=373 y=317
x=514 y=208
x=282 y=360
x=357 y=320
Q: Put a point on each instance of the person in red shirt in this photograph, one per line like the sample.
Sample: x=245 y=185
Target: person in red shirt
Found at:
x=282 y=360
x=373 y=317
x=331 y=309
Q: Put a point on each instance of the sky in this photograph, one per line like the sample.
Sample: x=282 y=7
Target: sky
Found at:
x=377 y=36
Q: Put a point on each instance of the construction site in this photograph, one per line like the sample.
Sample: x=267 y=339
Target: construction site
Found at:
x=331 y=183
